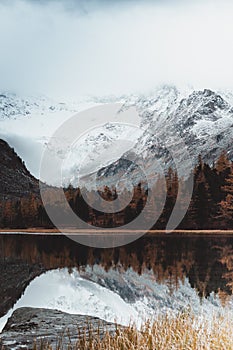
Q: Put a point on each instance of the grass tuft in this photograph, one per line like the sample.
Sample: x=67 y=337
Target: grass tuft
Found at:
x=184 y=331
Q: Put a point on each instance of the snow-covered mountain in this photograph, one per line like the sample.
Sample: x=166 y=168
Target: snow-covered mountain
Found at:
x=28 y=123
x=13 y=106
x=202 y=120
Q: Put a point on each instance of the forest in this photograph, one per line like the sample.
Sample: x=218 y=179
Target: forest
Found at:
x=211 y=206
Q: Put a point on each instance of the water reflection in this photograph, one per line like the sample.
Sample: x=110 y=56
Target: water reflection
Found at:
x=205 y=263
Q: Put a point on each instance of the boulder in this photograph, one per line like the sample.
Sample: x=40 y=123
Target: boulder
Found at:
x=28 y=326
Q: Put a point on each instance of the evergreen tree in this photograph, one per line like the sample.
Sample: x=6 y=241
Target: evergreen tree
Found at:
x=81 y=207
x=200 y=213
x=226 y=205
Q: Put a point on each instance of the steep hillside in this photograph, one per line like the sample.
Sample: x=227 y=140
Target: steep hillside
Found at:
x=15 y=179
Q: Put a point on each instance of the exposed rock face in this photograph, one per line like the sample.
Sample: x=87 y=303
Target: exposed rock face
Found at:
x=26 y=324
x=15 y=179
x=202 y=120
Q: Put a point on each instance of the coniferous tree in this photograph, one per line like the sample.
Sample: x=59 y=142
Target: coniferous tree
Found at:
x=81 y=207
x=226 y=205
x=199 y=213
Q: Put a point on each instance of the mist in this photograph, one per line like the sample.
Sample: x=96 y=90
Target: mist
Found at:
x=75 y=48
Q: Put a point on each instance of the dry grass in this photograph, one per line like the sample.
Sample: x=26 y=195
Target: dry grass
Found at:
x=183 y=332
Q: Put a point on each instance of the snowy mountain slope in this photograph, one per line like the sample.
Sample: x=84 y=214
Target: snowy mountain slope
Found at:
x=88 y=154
x=169 y=116
x=28 y=123
x=13 y=106
x=114 y=295
x=202 y=120
x=201 y=115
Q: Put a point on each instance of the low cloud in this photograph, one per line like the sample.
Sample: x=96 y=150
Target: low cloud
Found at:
x=72 y=48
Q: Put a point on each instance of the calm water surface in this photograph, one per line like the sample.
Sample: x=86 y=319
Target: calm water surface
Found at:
x=154 y=272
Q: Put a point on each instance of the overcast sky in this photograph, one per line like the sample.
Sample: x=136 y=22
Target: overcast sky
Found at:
x=71 y=48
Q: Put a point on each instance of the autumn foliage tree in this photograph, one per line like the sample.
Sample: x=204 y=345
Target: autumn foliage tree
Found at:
x=211 y=205
x=226 y=205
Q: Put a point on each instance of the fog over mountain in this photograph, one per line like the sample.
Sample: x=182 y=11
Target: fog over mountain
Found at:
x=71 y=48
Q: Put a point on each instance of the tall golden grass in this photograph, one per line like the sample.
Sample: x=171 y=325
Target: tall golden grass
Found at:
x=184 y=331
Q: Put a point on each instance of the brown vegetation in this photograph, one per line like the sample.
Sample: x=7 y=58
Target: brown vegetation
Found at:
x=183 y=331
x=211 y=205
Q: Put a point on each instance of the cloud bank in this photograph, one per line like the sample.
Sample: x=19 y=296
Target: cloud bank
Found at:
x=72 y=48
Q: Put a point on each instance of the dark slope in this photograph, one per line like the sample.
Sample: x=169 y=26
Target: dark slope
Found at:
x=15 y=179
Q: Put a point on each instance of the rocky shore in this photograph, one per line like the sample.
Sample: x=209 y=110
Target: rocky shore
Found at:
x=28 y=326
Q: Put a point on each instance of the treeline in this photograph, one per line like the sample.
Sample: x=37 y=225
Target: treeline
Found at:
x=211 y=206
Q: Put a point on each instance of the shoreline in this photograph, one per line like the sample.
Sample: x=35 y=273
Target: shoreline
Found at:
x=83 y=232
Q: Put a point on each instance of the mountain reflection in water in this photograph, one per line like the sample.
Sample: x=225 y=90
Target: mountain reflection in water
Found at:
x=204 y=262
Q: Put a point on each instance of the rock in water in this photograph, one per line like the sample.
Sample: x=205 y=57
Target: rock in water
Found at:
x=29 y=325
